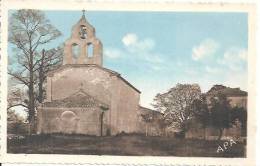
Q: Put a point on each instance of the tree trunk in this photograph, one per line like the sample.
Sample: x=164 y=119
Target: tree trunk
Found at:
x=41 y=78
x=31 y=108
x=220 y=134
x=31 y=105
x=40 y=97
x=40 y=85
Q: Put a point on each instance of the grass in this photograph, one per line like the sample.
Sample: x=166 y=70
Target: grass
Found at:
x=130 y=145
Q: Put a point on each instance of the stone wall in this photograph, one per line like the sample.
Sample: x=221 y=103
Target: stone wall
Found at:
x=127 y=107
x=102 y=84
x=238 y=101
x=67 y=81
x=71 y=121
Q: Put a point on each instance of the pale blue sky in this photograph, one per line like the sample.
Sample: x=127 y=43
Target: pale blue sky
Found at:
x=156 y=50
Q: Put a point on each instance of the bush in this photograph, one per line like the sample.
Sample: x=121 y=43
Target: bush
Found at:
x=17 y=128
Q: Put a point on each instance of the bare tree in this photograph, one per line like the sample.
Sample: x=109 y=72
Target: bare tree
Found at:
x=29 y=30
x=49 y=60
x=176 y=105
x=16 y=98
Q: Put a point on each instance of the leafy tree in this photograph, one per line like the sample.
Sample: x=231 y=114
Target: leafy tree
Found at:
x=220 y=113
x=176 y=105
x=201 y=112
x=240 y=113
x=29 y=31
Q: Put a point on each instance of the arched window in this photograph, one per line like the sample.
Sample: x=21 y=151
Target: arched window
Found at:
x=90 y=50
x=75 y=51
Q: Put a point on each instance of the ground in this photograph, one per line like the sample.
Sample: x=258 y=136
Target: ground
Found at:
x=133 y=145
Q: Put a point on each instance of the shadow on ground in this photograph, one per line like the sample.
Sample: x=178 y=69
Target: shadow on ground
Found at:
x=130 y=145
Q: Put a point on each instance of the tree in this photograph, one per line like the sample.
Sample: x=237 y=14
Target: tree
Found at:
x=29 y=30
x=15 y=123
x=16 y=98
x=201 y=112
x=49 y=60
x=176 y=105
x=240 y=113
x=220 y=113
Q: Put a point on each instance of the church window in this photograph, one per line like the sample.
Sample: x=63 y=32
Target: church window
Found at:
x=90 y=50
x=75 y=50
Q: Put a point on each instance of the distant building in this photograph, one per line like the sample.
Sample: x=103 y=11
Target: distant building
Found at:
x=150 y=122
x=237 y=98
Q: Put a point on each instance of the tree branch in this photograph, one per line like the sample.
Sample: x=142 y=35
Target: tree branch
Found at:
x=19 y=78
x=20 y=104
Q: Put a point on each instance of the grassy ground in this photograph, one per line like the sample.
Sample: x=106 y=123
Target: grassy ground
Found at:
x=137 y=145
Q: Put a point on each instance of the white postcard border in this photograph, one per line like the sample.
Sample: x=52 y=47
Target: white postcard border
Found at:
x=179 y=7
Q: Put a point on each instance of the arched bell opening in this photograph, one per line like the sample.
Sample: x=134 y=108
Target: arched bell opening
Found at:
x=75 y=51
x=90 y=50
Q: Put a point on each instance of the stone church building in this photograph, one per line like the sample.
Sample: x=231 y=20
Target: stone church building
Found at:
x=83 y=97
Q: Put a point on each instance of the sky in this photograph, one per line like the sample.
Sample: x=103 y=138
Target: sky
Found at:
x=156 y=50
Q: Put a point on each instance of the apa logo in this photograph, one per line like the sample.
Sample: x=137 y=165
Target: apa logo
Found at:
x=226 y=145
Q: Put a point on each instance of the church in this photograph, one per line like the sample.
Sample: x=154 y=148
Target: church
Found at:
x=83 y=97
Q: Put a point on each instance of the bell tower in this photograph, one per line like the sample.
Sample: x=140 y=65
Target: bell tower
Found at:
x=83 y=47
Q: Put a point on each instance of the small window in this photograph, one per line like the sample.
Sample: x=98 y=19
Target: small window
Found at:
x=75 y=51
x=90 y=50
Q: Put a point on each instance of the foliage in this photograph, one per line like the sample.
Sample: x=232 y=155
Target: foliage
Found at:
x=176 y=105
x=201 y=111
x=15 y=123
x=240 y=113
x=220 y=113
